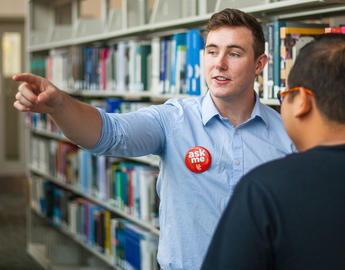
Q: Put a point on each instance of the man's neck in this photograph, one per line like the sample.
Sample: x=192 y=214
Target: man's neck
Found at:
x=326 y=134
x=237 y=110
x=333 y=134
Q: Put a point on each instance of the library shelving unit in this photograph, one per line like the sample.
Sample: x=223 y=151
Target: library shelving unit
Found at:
x=84 y=209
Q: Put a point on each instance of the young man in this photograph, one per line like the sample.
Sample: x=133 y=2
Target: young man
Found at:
x=289 y=213
x=205 y=144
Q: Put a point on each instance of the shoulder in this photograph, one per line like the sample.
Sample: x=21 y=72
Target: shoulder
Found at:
x=179 y=106
x=271 y=114
x=184 y=102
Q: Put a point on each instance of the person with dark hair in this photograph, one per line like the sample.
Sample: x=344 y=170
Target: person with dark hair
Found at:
x=289 y=213
x=205 y=143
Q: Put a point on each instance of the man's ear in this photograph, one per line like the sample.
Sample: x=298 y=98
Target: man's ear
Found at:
x=260 y=63
x=302 y=104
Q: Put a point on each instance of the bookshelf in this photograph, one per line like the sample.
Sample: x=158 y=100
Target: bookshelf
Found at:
x=59 y=31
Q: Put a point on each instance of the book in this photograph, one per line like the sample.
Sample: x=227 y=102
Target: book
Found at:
x=163 y=65
x=110 y=64
x=77 y=66
x=155 y=65
x=133 y=65
x=203 y=83
x=102 y=192
x=170 y=45
x=88 y=68
x=91 y=221
x=270 y=66
x=276 y=56
x=107 y=233
x=178 y=63
x=340 y=30
x=300 y=30
x=132 y=246
x=195 y=44
x=145 y=66
x=57 y=193
x=104 y=55
x=122 y=66
x=84 y=170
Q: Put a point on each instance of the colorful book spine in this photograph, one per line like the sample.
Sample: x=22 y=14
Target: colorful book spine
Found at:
x=276 y=57
x=178 y=63
x=193 y=62
x=340 y=30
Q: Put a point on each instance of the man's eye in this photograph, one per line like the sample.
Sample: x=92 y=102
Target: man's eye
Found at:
x=211 y=52
x=234 y=54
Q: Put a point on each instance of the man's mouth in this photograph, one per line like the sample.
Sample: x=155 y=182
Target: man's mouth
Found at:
x=221 y=78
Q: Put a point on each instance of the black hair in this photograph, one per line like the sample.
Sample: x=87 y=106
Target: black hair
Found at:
x=320 y=67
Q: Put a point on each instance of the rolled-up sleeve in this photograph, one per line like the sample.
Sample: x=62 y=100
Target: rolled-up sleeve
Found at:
x=131 y=134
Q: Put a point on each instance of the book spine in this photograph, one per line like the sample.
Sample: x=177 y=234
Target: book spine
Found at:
x=276 y=57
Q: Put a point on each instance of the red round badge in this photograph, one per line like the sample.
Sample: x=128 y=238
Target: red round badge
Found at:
x=198 y=159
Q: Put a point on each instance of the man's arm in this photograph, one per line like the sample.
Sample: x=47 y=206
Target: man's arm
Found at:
x=242 y=240
x=80 y=122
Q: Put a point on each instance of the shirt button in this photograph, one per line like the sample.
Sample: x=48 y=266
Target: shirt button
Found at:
x=237 y=162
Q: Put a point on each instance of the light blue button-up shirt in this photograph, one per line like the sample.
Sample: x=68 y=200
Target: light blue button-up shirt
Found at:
x=192 y=203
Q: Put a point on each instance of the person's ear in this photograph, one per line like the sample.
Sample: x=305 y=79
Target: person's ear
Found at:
x=302 y=104
x=260 y=63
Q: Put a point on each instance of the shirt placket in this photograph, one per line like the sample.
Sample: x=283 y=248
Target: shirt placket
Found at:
x=237 y=161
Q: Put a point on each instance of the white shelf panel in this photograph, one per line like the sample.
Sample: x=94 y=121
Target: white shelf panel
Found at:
x=282 y=6
x=37 y=251
x=145 y=95
x=152 y=160
x=127 y=95
x=265 y=11
x=107 y=205
x=312 y=12
x=270 y=101
x=138 y=30
x=49 y=134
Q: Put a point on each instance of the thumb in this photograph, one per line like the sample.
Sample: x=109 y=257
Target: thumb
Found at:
x=43 y=97
x=48 y=92
x=50 y=96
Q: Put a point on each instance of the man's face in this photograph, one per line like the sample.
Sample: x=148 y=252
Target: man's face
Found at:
x=230 y=67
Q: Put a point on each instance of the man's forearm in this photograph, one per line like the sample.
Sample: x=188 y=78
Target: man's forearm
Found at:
x=79 y=122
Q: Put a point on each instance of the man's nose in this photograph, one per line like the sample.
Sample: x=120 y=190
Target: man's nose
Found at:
x=221 y=63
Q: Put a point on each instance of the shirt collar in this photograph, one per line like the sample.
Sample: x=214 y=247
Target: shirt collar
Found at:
x=209 y=110
x=259 y=111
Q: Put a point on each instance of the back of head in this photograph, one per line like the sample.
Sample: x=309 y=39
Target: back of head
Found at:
x=234 y=17
x=320 y=67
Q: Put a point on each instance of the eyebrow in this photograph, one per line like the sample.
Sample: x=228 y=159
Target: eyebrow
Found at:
x=228 y=47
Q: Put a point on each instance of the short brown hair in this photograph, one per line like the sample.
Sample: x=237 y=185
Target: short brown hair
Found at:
x=235 y=17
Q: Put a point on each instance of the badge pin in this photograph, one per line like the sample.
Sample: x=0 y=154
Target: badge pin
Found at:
x=198 y=159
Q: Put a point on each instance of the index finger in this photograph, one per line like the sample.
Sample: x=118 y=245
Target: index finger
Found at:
x=28 y=77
